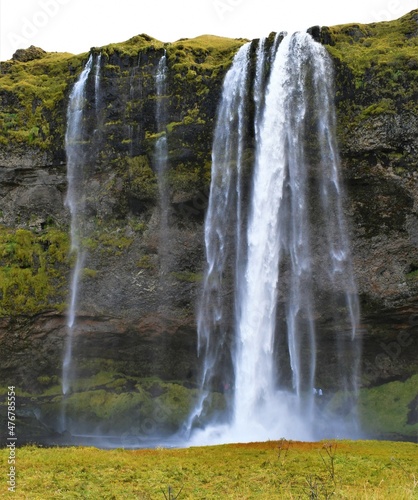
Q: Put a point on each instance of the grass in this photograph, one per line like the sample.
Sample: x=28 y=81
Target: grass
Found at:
x=361 y=469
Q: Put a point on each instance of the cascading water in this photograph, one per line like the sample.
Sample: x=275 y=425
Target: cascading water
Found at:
x=97 y=82
x=278 y=287
x=161 y=112
x=161 y=157
x=75 y=151
x=222 y=232
x=135 y=94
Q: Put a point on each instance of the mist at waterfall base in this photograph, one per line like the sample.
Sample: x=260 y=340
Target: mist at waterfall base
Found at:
x=278 y=283
x=278 y=258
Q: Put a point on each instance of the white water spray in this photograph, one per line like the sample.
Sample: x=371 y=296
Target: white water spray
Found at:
x=277 y=255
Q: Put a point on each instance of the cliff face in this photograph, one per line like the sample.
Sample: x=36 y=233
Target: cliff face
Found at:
x=376 y=79
x=140 y=285
x=121 y=278
x=376 y=96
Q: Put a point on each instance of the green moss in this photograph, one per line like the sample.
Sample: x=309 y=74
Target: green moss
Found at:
x=114 y=241
x=191 y=74
x=111 y=68
x=190 y=178
x=206 y=51
x=32 y=270
x=107 y=239
x=51 y=391
x=131 y=47
x=45 y=380
x=88 y=368
x=100 y=379
x=35 y=90
x=146 y=262
x=117 y=403
x=137 y=226
x=383 y=106
x=377 y=71
x=413 y=275
x=138 y=178
x=193 y=116
x=176 y=403
x=108 y=409
x=170 y=127
x=384 y=45
x=385 y=409
x=18 y=390
x=188 y=276
x=88 y=273
x=90 y=243
x=118 y=385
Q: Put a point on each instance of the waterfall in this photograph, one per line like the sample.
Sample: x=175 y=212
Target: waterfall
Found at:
x=278 y=285
x=222 y=230
x=75 y=151
x=161 y=107
x=97 y=81
x=135 y=94
x=161 y=157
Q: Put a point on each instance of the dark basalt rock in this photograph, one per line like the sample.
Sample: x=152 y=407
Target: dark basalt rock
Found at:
x=315 y=32
x=29 y=54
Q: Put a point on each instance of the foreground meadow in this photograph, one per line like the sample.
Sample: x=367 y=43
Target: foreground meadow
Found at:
x=275 y=469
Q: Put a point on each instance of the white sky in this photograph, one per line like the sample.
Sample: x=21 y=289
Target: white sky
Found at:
x=76 y=25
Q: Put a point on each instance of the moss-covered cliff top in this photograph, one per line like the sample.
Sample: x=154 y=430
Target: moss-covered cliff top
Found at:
x=362 y=46
x=210 y=49
x=33 y=89
x=377 y=80
x=33 y=93
x=30 y=93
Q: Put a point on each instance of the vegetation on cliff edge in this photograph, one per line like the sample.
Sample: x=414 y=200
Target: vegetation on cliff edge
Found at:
x=377 y=78
x=32 y=95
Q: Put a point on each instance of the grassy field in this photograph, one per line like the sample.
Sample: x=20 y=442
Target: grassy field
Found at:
x=275 y=469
